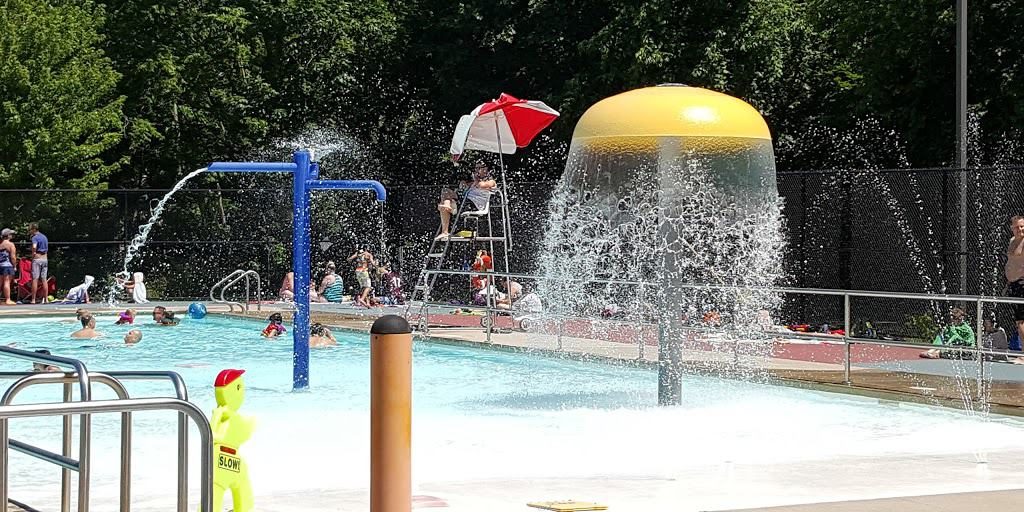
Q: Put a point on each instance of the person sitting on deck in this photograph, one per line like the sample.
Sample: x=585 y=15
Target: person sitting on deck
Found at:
x=287 y=292
x=957 y=334
x=391 y=284
x=994 y=338
x=331 y=288
x=513 y=292
x=80 y=293
x=478 y=197
x=135 y=286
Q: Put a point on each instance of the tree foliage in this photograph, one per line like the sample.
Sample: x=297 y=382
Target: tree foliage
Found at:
x=212 y=79
x=59 y=105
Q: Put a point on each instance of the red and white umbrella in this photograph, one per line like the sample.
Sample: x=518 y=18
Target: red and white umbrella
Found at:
x=501 y=126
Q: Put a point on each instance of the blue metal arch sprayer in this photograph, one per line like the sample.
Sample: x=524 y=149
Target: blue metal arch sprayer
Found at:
x=305 y=177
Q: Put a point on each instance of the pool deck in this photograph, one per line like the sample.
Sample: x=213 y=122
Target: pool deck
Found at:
x=883 y=483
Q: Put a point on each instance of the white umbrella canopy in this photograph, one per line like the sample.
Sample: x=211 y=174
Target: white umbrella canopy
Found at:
x=501 y=126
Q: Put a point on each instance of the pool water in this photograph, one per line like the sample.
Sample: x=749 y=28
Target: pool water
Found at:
x=478 y=415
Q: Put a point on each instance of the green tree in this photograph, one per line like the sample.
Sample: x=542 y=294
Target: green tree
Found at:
x=193 y=81
x=59 y=111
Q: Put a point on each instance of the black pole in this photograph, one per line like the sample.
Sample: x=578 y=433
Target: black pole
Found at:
x=961 y=131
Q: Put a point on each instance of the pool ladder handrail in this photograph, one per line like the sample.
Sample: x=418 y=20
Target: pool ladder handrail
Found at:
x=232 y=279
x=82 y=465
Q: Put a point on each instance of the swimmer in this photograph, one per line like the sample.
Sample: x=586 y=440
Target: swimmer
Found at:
x=164 y=317
x=127 y=317
x=321 y=336
x=43 y=367
x=275 y=327
x=88 y=329
x=134 y=336
x=78 y=316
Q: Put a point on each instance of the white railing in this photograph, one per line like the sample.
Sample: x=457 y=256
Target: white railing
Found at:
x=979 y=302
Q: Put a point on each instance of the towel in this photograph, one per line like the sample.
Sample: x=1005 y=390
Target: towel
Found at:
x=139 y=291
x=77 y=294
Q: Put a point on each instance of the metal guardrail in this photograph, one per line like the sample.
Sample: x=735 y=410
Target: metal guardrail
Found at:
x=847 y=339
x=121 y=406
x=181 y=393
x=82 y=464
x=232 y=279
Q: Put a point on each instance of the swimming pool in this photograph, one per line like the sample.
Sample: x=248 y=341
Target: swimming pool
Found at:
x=478 y=415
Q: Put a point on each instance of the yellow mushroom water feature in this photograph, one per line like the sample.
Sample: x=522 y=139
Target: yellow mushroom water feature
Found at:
x=668 y=185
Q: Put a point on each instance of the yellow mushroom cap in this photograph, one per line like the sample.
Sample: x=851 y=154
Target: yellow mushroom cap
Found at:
x=668 y=111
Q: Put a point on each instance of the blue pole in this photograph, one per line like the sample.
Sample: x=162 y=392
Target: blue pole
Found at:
x=251 y=167
x=375 y=186
x=305 y=178
x=300 y=265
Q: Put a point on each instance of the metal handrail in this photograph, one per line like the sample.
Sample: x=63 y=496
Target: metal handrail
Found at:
x=122 y=406
x=213 y=288
x=221 y=300
x=846 y=339
x=181 y=393
x=112 y=379
x=66 y=362
x=780 y=289
x=259 y=290
x=232 y=279
x=83 y=463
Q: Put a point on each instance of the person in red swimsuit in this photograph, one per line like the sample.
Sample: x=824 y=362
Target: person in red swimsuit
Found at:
x=482 y=263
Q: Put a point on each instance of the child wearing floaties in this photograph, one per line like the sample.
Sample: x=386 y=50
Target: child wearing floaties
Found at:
x=275 y=327
x=126 y=317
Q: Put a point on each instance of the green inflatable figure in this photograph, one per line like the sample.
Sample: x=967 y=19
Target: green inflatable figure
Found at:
x=230 y=430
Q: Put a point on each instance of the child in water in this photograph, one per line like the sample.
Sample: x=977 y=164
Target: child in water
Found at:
x=127 y=317
x=275 y=327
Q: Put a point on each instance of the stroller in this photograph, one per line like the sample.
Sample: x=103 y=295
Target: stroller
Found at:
x=25 y=282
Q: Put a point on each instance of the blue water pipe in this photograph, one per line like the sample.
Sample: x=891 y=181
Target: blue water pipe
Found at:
x=305 y=177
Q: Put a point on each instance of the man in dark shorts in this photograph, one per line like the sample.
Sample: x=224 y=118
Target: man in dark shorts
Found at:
x=1015 y=270
x=40 y=264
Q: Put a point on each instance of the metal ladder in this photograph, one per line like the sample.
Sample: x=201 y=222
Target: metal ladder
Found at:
x=440 y=251
x=84 y=408
x=232 y=279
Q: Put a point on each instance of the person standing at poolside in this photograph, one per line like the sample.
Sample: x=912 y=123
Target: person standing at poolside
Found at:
x=1015 y=270
x=363 y=260
x=40 y=264
x=8 y=258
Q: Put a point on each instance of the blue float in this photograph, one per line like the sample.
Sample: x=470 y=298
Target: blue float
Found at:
x=305 y=177
x=196 y=310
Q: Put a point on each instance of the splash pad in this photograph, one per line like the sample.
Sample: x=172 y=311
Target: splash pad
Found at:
x=670 y=185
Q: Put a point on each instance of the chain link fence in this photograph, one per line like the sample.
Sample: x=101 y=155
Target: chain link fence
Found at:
x=908 y=230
